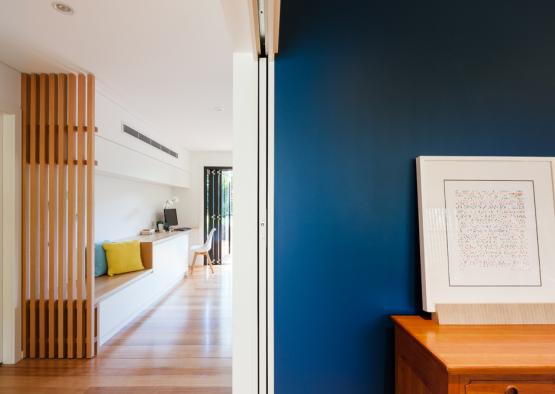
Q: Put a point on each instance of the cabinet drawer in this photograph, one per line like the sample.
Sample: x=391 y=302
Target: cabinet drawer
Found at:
x=515 y=387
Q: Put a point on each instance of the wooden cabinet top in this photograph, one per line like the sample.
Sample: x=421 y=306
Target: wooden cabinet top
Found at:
x=493 y=348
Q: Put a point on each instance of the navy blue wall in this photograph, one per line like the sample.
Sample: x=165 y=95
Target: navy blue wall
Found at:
x=362 y=88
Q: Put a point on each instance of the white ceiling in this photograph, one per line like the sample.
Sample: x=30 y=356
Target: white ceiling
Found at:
x=167 y=61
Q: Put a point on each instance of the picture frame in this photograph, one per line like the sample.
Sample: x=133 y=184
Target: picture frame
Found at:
x=487 y=230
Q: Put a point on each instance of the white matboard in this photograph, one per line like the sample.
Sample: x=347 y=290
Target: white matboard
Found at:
x=487 y=230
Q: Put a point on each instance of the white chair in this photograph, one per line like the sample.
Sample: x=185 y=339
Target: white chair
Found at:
x=202 y=250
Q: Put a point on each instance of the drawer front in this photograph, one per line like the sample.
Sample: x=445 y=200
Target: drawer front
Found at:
x=510 y=388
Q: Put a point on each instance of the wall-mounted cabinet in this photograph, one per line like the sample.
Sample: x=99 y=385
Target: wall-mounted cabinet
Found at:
x=120 y=154
x=116 y=159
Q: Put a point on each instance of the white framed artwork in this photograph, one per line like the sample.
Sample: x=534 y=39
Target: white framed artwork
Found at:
x=487 y=230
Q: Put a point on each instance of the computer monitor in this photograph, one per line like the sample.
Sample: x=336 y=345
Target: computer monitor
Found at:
x=170 y=216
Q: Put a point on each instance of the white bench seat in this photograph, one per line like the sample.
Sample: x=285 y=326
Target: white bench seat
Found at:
x=106 y=286
x=120 y=298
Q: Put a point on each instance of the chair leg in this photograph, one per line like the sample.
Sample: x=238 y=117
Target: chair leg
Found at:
x=192 y=269
x=210 y=262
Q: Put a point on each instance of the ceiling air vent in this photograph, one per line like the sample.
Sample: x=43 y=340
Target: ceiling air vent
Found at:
x=134 y=133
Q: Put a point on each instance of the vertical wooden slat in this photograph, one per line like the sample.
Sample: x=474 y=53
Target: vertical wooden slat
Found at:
x=33 y=228
x=61 y=208
x=43 y=216
x=52 y=217
x=70 y=213
x=80 y=209
x=24 y=216
x=90 y=215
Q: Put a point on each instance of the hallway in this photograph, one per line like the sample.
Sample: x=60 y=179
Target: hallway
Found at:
x=182 y=344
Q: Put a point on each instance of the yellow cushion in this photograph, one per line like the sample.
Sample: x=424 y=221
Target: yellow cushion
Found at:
x=123 y=257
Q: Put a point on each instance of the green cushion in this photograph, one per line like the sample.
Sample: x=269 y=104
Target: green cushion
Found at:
x=100 y=265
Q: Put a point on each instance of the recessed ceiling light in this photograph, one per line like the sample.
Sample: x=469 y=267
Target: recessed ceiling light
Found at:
x=218 y=109
x=62 y=8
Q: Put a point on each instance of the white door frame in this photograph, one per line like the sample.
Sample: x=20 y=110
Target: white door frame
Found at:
x=253 y=339
x=10 y=241
x=265 y=227
x=262 y=225
x=270 y=230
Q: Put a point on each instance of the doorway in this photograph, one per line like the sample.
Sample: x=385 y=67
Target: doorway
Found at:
x=218 y=211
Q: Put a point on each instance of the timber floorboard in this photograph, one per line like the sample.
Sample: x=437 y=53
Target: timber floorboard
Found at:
x=182 y=344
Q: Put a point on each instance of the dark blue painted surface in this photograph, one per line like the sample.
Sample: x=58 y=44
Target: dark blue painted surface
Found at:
x=362 y=88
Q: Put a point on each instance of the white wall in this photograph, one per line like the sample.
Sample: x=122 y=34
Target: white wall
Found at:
x=10 y=103
x=133 y=179
x=245 y=231
x=123 y=207
x=10 y=89
x=190 y=208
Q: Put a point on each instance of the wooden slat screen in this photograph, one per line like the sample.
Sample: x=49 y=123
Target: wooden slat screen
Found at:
x=57 y=213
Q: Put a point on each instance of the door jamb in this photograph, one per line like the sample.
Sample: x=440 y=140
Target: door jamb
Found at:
x=252 y=326
x=9 y=251
x=266 y=226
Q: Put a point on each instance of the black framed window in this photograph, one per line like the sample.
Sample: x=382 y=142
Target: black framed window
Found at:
x=218 y=211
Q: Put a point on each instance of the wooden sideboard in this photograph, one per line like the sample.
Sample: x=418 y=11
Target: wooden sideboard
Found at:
x=478 y=359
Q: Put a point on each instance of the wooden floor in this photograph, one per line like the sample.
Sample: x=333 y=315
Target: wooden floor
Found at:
x=180 y=345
